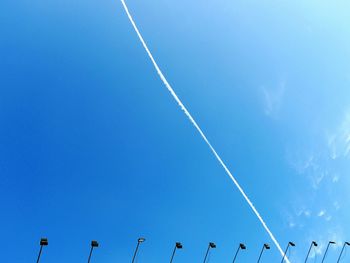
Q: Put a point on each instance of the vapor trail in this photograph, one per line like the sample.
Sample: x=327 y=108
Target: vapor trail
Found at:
x=183 y=108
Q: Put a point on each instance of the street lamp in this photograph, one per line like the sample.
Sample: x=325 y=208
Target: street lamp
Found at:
x=313 y=243
x=346 y=243
x=241 y=246
x=139 y=241
x=325 y=253
x=211 y=245
x=94 y=243
x=285 y=252
x=43 y=242
x=178 y=245
x=265 y=246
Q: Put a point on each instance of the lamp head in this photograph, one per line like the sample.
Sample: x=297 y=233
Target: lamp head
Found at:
x=314 y=243
x=141 y=239
x=331 y=242
x=94 y=243
x=44 y=242
x=178 y=245
x=242 y=246
x=267 y=246
x=212 y=245
x=292 y=244
x=347 y=243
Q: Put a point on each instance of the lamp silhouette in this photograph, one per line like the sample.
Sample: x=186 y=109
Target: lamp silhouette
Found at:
x=265 y=246
x=139 y=241
x=285 y=252
x=342 y=250
x=43 y=242
x=178 y=245
x=94 y=244
x=313 y=243
x=325 y=253
x=241 y=246
x=211 y=245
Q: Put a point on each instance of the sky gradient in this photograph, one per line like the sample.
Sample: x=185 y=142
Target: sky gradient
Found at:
x=92 y=146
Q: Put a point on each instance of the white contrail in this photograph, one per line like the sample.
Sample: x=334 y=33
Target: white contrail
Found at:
x=170 y=89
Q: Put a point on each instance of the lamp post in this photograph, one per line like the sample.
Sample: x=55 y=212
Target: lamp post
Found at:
x=241 y=246
x=313 y=243
x=342 y=250
x=178 y=245
x=139 y=241
x=43 y=242
x=94 y=243
x=285 y=252
x=265 y=246
x=211 y=245
x=325 y=253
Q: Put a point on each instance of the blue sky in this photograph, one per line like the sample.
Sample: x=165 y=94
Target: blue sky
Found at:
x=92 y=145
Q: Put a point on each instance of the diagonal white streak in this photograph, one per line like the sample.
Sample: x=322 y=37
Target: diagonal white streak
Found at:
x=183 y=108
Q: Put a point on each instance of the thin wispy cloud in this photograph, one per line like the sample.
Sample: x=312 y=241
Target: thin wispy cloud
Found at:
x=328 y=218
x=291 y=224
x=307 y=213
x=191 y=119
x=321 y=213
x=334 y=234
x=326 y=214
x=314 y=163
x=339 y=139
x=304 y=212
x=336 y=205
x=308 y=164
x=335 y=179
x=317 y=251
x=273 y=99
x=318 y=162
x=317 y=171
x=297 y=217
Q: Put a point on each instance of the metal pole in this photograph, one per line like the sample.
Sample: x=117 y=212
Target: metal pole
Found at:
x=285 y=252
x=325 y=253
x=205 y=258
x=308 y=253
x=41 y=249
x=262 y=250
x=90 y=254
x=341 y=253
x=234 y=259
x=137 y=247
x=171 y=260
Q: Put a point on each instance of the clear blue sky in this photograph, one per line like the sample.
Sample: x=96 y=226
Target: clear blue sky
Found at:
x=92 y=146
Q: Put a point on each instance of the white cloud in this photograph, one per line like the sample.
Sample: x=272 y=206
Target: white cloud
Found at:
x=291 y=225
x=336 y=205
x=309 y=164
x=317 y=251
x=328 y=218
x=321 y=213
x=334 y=234
x=322 y=164
x=335 y=179
x=307 y=213
x=316 y=179
x=304 y=212
x=273 y=99
x=339 y=139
